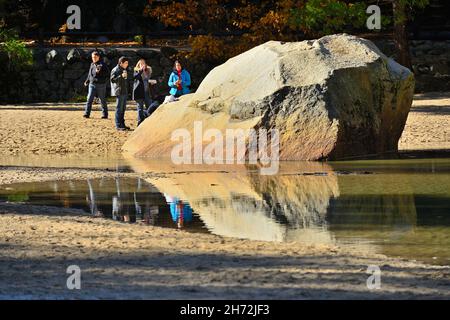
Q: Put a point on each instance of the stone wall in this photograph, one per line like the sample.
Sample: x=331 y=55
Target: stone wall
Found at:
x=431 y=63
x=58 y=74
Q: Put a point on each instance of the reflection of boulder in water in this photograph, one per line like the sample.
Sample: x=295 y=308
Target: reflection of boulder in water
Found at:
x=238 y=216
x=272 y=218
x=275 y=208
x=300 y=201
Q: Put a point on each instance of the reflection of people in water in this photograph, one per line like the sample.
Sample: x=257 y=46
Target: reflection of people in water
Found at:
x=92 y=201
x=121 y=206
x=137 y=203
x=151 y=215
x=124 y=200
x=115 y=208
x=145 y=211
x=181 y=212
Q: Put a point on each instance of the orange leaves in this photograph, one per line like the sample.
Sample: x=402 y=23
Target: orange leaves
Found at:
x=262 y=20
x=175 y=14
x=190 y=13
x=207 y=48
x=244 y=17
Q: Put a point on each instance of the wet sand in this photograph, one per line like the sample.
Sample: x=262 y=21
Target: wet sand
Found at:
x=122 y=261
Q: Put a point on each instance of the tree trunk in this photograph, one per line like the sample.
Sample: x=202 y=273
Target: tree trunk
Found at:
x=400 y=34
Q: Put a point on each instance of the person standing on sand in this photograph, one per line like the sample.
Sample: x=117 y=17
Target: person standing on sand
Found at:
x=141 y=90
x=119 y=89
x=96 y=83
x=179 y=81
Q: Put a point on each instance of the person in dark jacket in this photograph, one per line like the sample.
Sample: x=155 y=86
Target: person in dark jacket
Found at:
x=119 y=89
x=96 y=81
x=141 y=90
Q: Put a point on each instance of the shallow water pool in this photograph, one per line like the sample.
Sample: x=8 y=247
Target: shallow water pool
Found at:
x=399 y=208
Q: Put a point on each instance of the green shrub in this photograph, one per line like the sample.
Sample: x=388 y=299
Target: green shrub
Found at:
x=139 y=39
x=19 y=56
x=321 y=17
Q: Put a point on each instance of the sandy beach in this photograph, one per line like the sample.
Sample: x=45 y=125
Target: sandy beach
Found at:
x=123 y=261
x=61 y=129
x=428 y=124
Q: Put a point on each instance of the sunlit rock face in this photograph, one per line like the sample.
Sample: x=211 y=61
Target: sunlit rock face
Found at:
x=334 y=97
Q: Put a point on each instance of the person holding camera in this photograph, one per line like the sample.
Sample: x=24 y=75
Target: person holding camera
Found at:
x=96 y=83
x=119 y=89
x=179 y=81
x=141 y=90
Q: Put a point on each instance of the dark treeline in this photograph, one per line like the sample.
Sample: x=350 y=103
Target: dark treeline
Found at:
x=97 y=16
x=138 y=16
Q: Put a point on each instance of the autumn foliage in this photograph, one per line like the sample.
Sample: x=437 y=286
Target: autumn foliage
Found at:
x=260 y=21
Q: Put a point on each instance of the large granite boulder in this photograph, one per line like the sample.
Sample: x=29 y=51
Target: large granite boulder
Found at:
x=330 y=98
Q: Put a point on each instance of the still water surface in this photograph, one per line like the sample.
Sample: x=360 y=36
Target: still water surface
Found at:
x=396 y=207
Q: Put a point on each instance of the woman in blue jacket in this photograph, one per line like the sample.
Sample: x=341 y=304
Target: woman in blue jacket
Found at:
x=179 y=81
